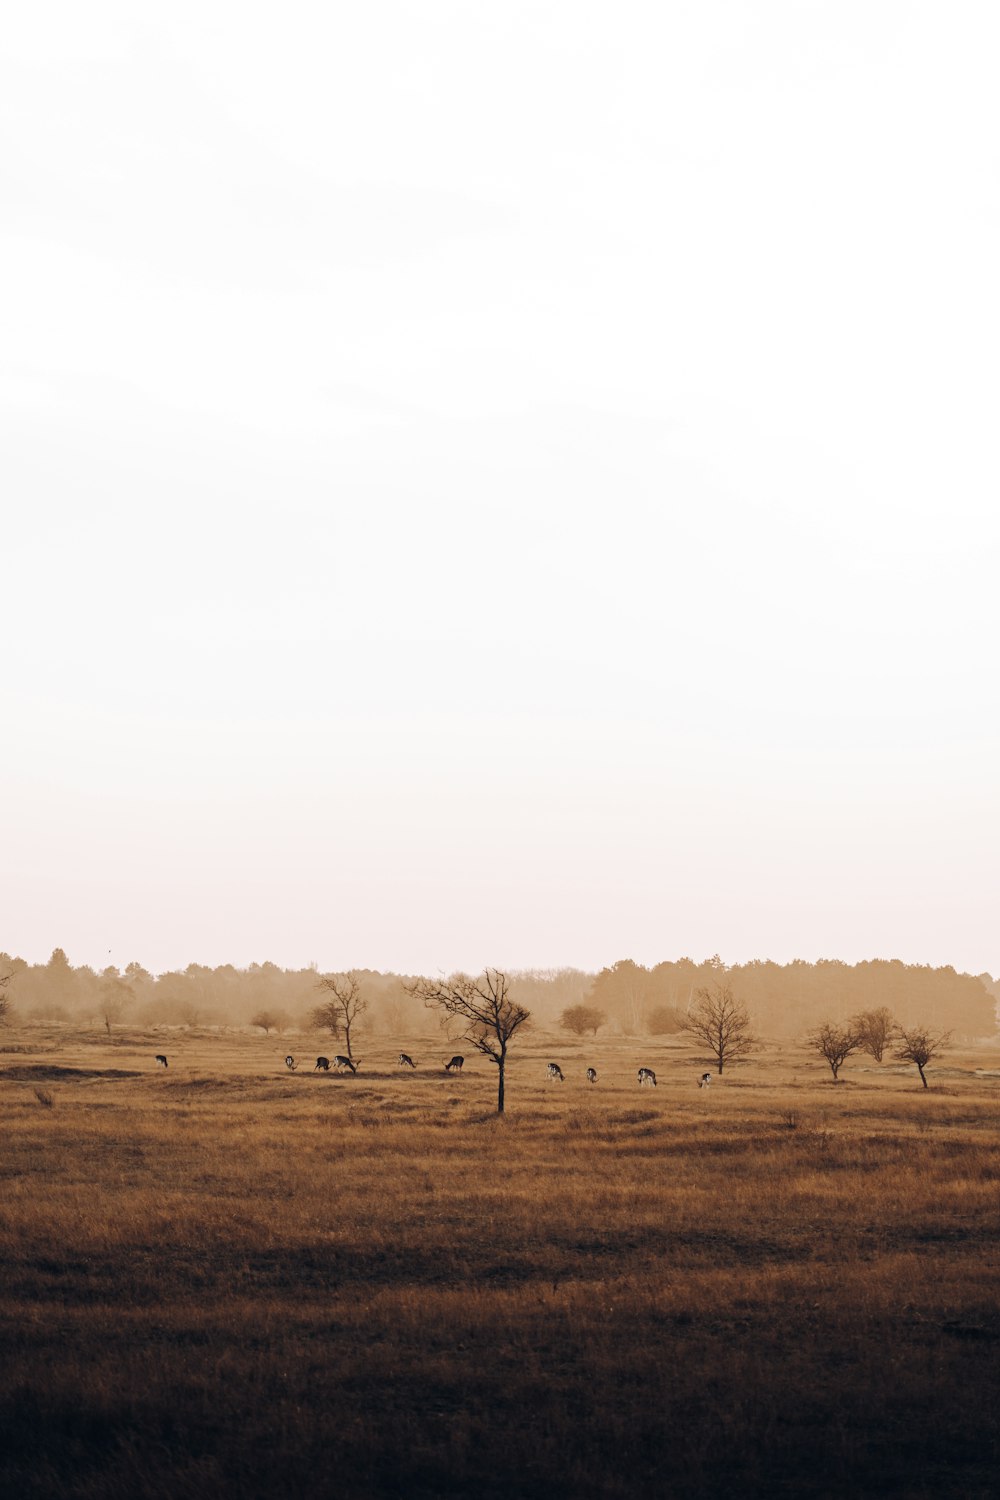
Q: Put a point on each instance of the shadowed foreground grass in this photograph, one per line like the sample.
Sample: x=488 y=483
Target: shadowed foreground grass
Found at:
x=226 y=1280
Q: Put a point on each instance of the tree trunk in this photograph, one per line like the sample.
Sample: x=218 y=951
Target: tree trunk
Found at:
x=500 y=1082
x=920 y=1070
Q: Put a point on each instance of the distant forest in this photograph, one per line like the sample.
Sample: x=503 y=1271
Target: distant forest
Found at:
x=784 y=999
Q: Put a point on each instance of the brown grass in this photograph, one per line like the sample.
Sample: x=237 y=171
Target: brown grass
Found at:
x=224 y=1279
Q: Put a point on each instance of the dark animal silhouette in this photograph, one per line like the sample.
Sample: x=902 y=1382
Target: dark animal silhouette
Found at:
x=343 y=1064
x=646 y=1075
x=455 y=1066
x=591 y=1075
x=323 y=1063
x=555 y=1071
x=161 y=1060
x=406 y=1061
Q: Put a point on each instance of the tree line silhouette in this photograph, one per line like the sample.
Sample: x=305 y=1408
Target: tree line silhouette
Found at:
x=626 y=997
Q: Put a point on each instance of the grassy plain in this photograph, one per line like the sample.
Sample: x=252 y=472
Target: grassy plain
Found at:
x=228 y=1280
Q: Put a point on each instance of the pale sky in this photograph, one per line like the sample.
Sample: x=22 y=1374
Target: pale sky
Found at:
x=500 y=483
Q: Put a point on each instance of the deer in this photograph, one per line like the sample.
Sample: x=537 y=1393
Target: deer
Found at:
x=323 y=1063
x=646 y=1075
x=455 y=1066
x=555 y=1071
x=290 y=1063
x=406 y=1061
x=346 y=1064
x=591 y=1075
x=161 y=1061
x=704 y=1080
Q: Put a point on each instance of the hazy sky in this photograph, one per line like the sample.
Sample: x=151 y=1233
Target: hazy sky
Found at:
x=500 y=482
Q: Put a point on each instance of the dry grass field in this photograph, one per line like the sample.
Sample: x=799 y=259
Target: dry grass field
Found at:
x=228 y=1280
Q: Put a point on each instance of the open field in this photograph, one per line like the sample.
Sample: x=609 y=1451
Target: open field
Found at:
x=228 y=1280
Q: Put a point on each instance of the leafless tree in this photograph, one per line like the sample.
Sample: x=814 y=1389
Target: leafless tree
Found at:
x=5 y=1005
x=343 y=1007
x=484 y=1015
x=875 y=1029
x=835 y=1043
x=116 y=997
x=579 y=1019
x=722 y=1022
x=920 y=1046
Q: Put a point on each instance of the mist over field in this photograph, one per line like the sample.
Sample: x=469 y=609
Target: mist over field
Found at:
x=499 y=806
x=634 y=1000
x=649 y=1230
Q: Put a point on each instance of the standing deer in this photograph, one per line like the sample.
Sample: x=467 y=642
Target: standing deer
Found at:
x=455 y=1066
x=591 y=1075
x=406 y=1061
x=161 y=1061
x=704 y=1080
x=346 y=1064
x=290 y=1063
x=555 y=1071
x=646 y=1075
x=323 y=1063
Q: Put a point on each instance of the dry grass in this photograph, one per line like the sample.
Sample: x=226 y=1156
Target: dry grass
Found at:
x=224 y=1279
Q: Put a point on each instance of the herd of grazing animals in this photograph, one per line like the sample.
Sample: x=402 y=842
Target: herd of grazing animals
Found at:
x=455 y=1065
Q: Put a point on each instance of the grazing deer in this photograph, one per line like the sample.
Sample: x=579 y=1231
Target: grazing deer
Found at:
x=455 y=1066
x=161 y=1061
x=406 y=1061
x=290 y=1063
x=646 y=1075
x=346 y=1064
x=323 y=1063
x=555 y=1071
x=591 y=1075
x=704 y=1080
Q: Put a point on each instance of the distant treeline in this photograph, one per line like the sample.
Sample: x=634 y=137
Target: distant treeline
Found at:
x=784 y=999
x=226 y=996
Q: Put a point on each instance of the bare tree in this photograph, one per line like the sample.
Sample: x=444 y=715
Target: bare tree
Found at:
x=116 y=997
x=579 y=1019
x=345 y=1004
x=486 y=1017
x=5 y=1003
x=918 y=1045
x=722 y=1022
x=835 y=1043
x=875 y=1029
